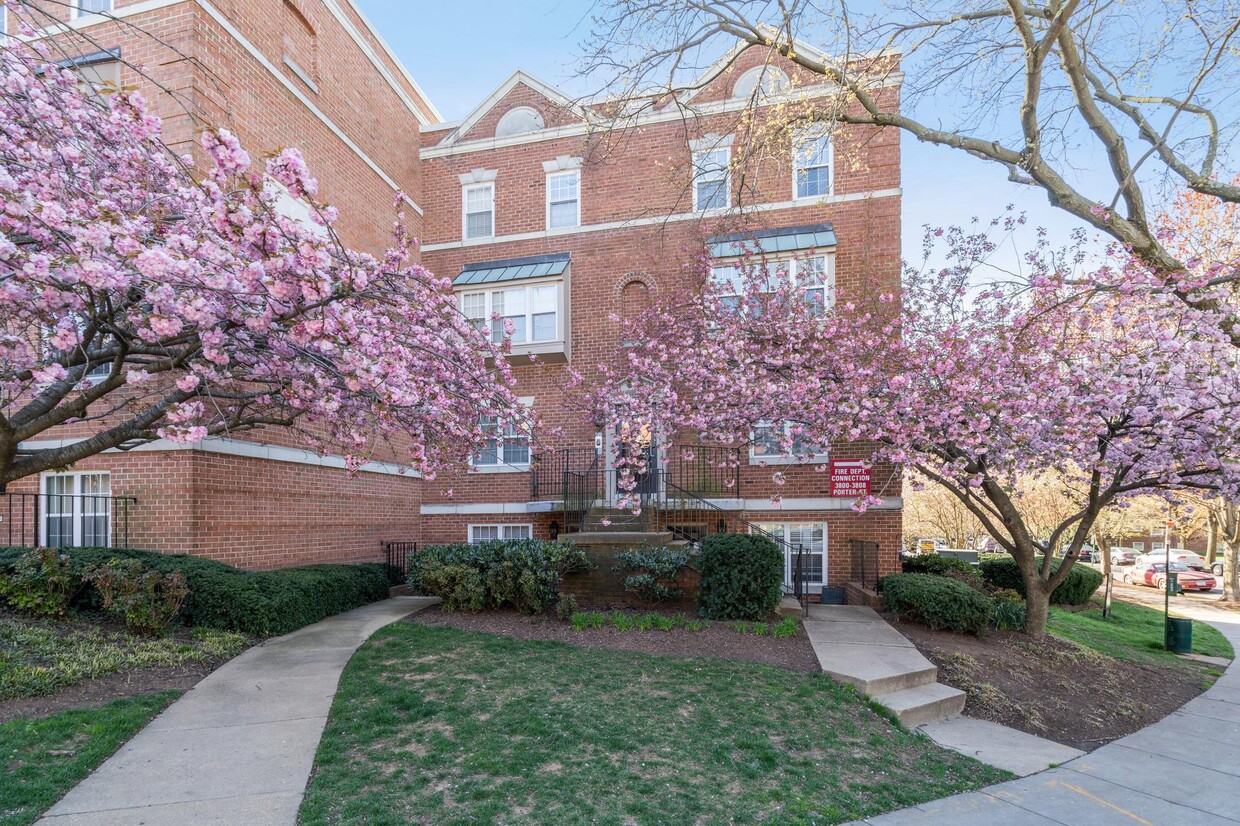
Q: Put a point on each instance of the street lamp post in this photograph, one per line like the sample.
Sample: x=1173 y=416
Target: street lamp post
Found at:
x=1167 y=585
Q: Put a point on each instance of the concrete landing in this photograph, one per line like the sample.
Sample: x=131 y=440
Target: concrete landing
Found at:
x=239 y=746
x=855 y=646
x=1020 y=753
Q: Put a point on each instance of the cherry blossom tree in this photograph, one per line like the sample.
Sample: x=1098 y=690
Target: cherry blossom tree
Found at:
x=1097 y=371
x=144 y=298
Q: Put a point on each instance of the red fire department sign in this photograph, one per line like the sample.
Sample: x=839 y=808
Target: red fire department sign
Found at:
x=849 y=479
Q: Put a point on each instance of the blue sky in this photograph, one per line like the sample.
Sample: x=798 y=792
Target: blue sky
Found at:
x=459 y=52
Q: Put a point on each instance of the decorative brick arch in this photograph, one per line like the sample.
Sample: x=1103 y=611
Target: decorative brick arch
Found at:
x=634 y=293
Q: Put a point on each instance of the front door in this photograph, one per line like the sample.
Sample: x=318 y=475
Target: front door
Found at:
x=647 y=479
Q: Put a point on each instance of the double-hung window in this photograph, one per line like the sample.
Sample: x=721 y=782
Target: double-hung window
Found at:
x=564 y=199
x=811 y=166
x=479 y=211
x=532 y=311
x=508 y=445
x=81 y=7
x=812 y=276
x=776 y=442
x=711 y=179
x=490 y=533
x=77 y=510
x=809 y=537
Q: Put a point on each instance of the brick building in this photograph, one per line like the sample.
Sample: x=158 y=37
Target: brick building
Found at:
x=307 y=73
x=543 y=211
x=552 y=216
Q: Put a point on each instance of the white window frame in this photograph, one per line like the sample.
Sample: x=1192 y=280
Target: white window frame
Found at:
x=528 y=286
x=784 y=531
x=699 y=176
x=465 y=190
x=1139 y=546
x=521 y=431
x=75 y=9
x=78 y=502
x=571 y=173
x=800 y=139
x=793 y=268
x=816 y=458
x=500 y=529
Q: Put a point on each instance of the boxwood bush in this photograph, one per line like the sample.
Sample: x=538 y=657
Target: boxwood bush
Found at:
x=258 y=603
x=1079 y=586
x=523 y=573
x=934 y=564
x=742 y=577
x=939 y=602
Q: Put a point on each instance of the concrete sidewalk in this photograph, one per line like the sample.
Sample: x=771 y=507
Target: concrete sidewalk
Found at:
x=239 y=746
x=1184 y=769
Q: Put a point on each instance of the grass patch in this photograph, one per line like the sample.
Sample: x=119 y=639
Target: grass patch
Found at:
x=437 y=725
x=1133 y=632
x=38 y=657
x=622 y=621
x=43 y=758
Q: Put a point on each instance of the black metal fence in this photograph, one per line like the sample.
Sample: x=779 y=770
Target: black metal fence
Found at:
x=865 y=568
x=398 y=554
x=707 y=471
x=65 y=520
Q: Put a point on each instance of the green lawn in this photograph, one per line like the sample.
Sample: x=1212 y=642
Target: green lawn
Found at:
x=437 y=725
x=43 y=758
x=1133 y=632
x=39 y=656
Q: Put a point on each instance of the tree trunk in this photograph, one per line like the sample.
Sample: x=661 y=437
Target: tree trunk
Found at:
x=1230 y=524
x=1212 y=532
x=1037 y=609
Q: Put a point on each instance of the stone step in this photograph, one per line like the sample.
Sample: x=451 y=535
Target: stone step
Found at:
x=924 y=703
x=875 y=670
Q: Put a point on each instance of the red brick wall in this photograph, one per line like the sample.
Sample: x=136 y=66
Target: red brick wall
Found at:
x=256 y=513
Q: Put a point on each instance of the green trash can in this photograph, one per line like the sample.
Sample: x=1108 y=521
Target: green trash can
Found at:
x=1173 y=584
x=1179 y=635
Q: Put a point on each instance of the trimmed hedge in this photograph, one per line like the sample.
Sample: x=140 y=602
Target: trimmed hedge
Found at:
x=523 y=573
x=258 y=603
x=742 y=577
x=1077 y=589
x=938 y=602
x=934 y=564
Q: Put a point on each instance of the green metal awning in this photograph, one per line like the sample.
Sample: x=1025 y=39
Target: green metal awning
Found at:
x=767 y=241
x=512 y=269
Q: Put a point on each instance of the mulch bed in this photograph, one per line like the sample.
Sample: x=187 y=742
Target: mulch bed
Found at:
x=718 y=640
x=1054 y=689
x=103 y=690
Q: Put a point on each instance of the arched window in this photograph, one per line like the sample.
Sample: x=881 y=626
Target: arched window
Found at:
x=772 y=80
x=518 y=121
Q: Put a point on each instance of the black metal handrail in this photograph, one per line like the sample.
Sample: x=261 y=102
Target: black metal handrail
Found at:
x=65 y=520
x=865 y=563
x=705 y=470
x=547 y=470
x=397 y=555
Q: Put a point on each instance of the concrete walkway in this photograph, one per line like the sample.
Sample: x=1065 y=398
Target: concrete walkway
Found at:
x=1184 y=769
x=239 y=746
x=858 y=647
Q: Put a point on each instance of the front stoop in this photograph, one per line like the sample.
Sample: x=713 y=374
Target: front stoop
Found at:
x=855 y=646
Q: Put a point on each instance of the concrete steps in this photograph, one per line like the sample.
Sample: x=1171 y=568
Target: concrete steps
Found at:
x=923 y=704
x=855 y=646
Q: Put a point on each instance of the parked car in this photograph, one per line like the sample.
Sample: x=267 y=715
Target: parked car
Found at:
x=1123 y=556
x=1186 y=558
x=1087 y=555
x=1217 y=568
x=1155 y=574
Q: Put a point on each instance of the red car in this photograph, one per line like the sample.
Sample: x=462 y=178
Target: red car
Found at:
x=1156 y=575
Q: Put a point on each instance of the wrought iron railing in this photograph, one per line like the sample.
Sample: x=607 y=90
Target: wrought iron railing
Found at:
x=397 y=555
x=707 y=471
x=65 y=520
x=547 y=470
x=865 y=563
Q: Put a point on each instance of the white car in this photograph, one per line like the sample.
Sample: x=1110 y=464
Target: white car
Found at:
x=1186 y=558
